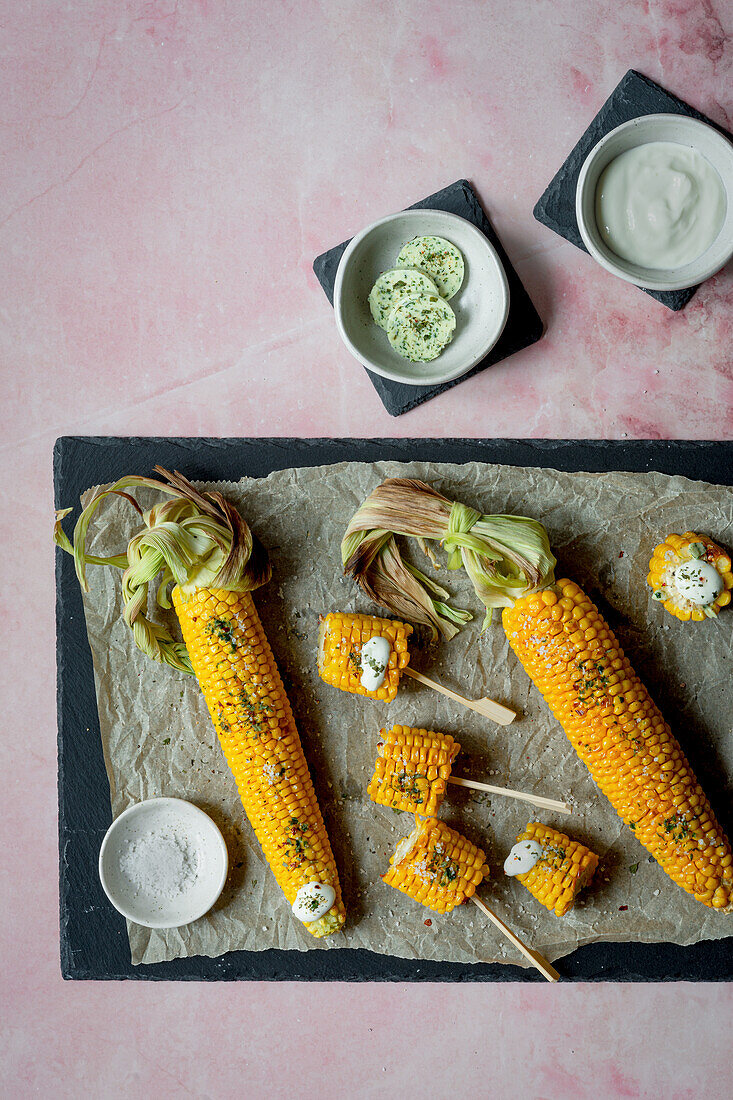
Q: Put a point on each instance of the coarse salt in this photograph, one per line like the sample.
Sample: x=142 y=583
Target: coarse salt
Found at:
x=161 y=864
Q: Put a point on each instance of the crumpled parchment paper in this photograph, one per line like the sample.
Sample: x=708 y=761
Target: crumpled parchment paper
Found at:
x=158 y=739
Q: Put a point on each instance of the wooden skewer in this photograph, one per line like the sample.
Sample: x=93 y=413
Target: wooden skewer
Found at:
x=537 y=960
x=535 y=799
x=488 y=707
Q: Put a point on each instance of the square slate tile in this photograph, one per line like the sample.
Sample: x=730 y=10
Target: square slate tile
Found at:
x=523 y=327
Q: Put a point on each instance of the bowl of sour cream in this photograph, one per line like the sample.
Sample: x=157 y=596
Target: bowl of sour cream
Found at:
x=654 y=201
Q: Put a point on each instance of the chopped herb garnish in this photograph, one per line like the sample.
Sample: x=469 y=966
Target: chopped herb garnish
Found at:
x=255 y=709
x=224 y=631
x=297 y=848
x=441 y=868
x=406 y=783
x=553 y=855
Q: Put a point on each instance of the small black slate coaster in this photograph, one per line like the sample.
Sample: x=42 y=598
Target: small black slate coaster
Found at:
x=635 y=96
x=523 y=326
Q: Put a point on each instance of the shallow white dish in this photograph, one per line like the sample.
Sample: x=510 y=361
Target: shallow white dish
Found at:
x=174 y=815
x=663 y=127
x=481 y=305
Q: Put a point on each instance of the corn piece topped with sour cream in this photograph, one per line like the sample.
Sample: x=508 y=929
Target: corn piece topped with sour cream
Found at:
x=363 y=654
x=690 y=575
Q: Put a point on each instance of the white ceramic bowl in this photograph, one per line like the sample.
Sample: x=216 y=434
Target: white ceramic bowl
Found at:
x=481 y=305
x=664 y=127
x=175 y=817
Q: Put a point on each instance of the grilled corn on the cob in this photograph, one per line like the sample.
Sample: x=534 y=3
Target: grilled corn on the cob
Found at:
x=342 y=661
x=244 y=692
x=561 y=869
x=203 y=545
x=691 y=576
x=437 y=866
x=412 y=769
x=577 y=663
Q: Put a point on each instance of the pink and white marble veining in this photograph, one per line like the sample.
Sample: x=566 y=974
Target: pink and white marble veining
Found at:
x=169 y=170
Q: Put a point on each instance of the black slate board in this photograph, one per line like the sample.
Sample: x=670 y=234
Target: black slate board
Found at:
x=635 y=96
x=94 y=942
x=523 y=326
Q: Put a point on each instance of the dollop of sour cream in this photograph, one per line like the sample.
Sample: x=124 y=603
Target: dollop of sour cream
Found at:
x=698 y=581
x=313 y=901
x=374 y=658
x=660 y=205
x=522 y=857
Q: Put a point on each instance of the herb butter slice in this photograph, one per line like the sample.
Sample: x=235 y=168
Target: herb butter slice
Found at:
x=394 y=285
x=419 y=328
x=438 y=258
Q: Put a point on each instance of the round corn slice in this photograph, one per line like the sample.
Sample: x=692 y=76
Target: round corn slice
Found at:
x=393 y=286
x=419 y=328
x=691 y=576
x=438 y=258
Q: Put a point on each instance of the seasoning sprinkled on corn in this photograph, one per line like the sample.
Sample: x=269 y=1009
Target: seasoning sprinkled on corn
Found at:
x=560 y=867
x=244 y=692
x=575 y=660
x=363 y=654
x=437 y=866
x=412 y=769
x=691 y=576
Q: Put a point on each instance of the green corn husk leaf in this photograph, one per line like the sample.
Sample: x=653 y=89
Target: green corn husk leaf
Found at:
x=504 y=556
x=193 y=540
x=60 y=537
x=428 y=582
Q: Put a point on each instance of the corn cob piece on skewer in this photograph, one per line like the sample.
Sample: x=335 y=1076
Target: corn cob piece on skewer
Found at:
x=203 y=545
x=363 y=654
x=436 y=866
x=575 y=660
x=553 y=867
x=412 y=769
x=691 y=576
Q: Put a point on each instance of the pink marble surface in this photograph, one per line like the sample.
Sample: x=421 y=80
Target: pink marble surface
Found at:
x=169 y=171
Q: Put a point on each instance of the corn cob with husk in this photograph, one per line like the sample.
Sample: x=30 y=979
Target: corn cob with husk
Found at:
x=574 y=659
x=201 y=545
x=691 y=576
x=560 y=867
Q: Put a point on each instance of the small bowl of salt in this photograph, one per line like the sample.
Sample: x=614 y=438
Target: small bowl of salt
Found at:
x=163 y=863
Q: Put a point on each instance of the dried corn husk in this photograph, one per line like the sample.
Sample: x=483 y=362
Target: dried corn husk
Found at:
x=194 y=541
x=505 y=556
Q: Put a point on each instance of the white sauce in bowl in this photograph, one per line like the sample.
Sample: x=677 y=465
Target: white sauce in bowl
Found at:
x=660 y=205
x=522 y=857
x=374 y=659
